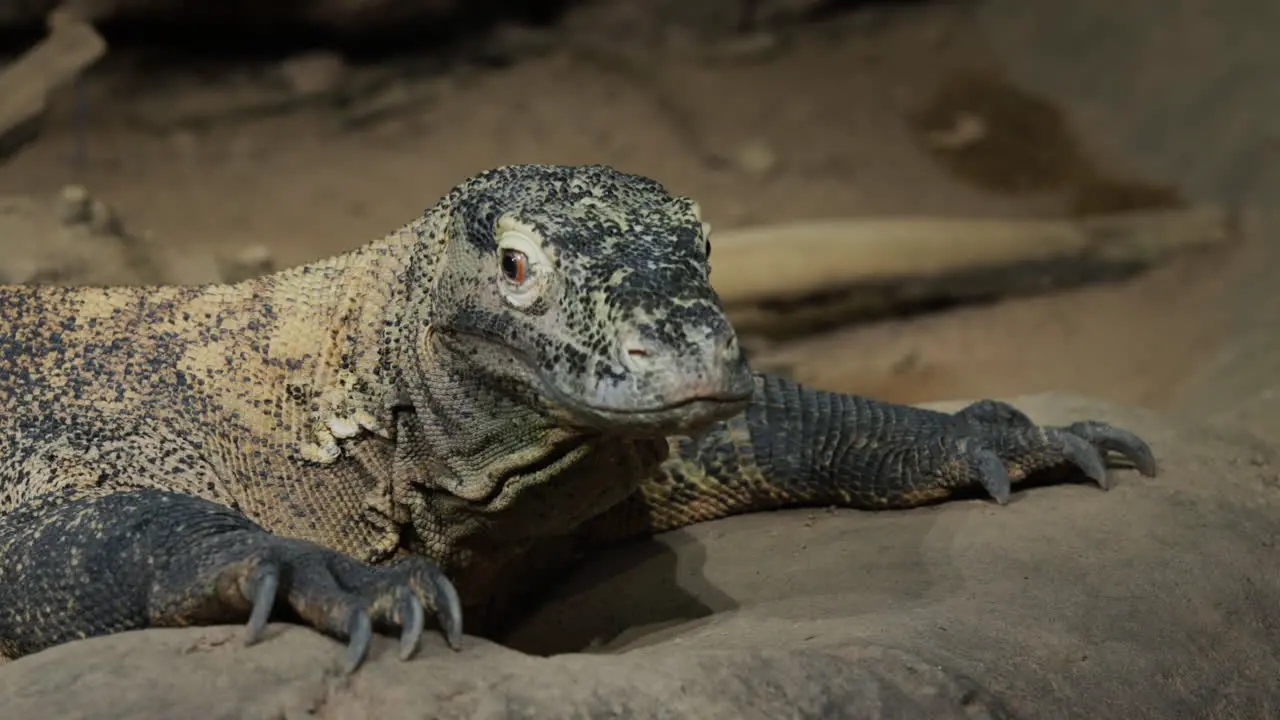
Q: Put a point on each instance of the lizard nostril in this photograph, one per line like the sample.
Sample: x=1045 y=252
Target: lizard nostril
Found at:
x=729 y=348
x=636 y=356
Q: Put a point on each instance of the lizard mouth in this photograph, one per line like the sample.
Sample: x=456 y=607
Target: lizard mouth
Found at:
x=684 y=415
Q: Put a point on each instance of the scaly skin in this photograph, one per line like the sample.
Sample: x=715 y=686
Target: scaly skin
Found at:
x=434 y=423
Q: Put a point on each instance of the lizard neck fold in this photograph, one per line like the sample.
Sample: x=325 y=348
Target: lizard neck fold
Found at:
x=485 y=467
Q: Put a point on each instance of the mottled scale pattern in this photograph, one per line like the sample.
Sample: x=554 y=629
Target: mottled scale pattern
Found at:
x=410 y=427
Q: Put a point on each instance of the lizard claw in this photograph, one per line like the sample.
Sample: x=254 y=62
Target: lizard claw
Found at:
x=360 y=636
x=264 y=583
x=411 y=622
x=449 y=611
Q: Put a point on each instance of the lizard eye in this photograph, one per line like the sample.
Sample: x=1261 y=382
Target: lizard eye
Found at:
x=515 y=266
x=525 y=269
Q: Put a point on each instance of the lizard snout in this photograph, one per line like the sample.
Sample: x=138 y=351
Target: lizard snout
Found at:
x=706 y=365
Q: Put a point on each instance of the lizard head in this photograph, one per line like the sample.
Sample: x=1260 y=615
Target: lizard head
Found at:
x=585 y=291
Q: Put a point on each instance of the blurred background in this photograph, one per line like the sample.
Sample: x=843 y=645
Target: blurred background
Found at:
x=921 y=200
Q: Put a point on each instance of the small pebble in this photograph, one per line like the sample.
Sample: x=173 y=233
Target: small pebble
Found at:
x=250 y=262
x=756 y=158
x=968 y=129
x=314 y=73
x=74 y=205
x=103 y=219
x=749 y=46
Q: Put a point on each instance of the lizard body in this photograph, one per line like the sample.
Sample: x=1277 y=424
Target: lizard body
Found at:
x=438 y=420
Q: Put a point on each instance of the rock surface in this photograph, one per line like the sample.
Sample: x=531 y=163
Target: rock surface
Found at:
x=1157 y=599
x=78 y=239
x=73 y=239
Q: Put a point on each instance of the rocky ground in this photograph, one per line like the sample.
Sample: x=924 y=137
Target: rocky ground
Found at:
x=1153 y=600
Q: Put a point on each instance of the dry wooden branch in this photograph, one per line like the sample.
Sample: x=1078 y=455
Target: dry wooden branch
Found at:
x=784 y=280
x=24 y=85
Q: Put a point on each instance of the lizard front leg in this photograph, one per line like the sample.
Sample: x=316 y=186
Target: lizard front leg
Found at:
x=798 y=446
x=78 y=566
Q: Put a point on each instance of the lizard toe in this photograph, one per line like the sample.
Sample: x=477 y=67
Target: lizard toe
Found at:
x=992 y=474
x=1108 y=438
x=1080 y=453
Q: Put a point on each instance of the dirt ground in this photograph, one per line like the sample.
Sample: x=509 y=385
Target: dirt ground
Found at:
x=1154 y=600
x=827 y=119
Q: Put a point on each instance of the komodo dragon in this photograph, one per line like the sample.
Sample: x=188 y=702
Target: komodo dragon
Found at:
x=438 y=422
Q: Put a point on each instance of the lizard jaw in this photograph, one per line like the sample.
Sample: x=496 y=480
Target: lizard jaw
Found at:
x=688 y=415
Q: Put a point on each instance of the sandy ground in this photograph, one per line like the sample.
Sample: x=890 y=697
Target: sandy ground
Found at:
x=832 y=120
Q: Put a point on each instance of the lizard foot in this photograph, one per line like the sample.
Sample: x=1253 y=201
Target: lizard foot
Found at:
x=247 y=571
x=998 y=444
x=347 y=599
